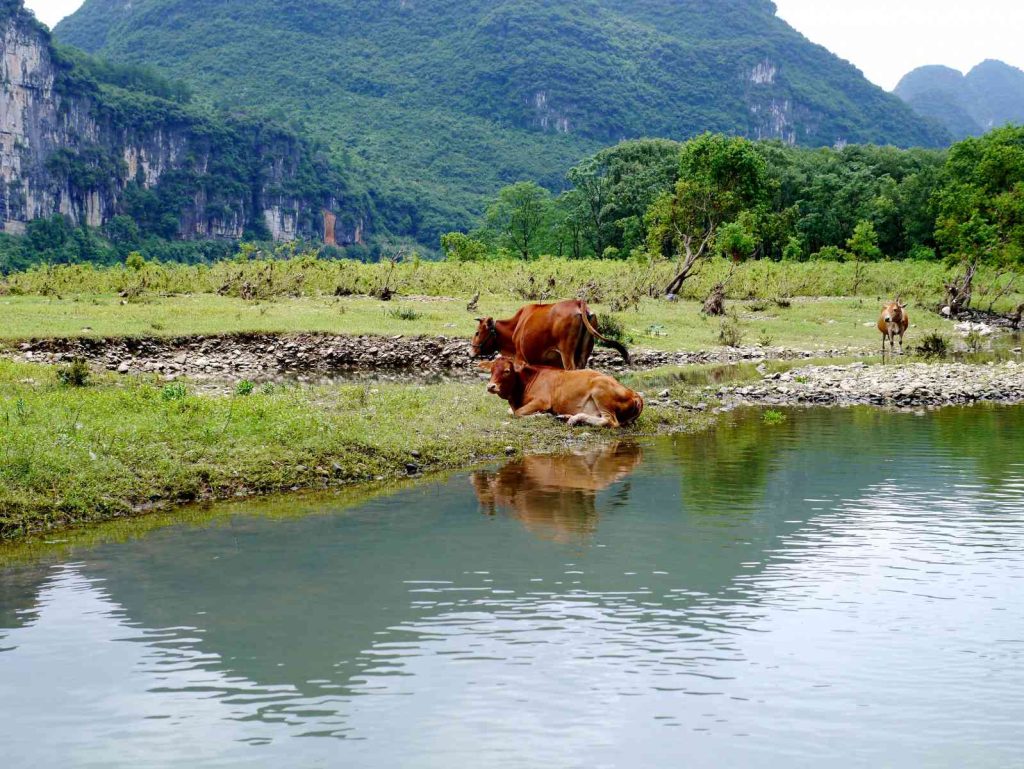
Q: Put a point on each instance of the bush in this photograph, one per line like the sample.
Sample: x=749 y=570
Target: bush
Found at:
x=74 y=375
x=244 y=388
x=611 y=327
x=933 y=346
x=730 y=334
x=175 y=391
x=831 y=254
x=405 y=313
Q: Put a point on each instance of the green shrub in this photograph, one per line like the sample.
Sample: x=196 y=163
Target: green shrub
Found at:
x=175 y=391
x=405 y=313
x=730 y=334
x=244 y=388
x=76 y=374
x=933 y=346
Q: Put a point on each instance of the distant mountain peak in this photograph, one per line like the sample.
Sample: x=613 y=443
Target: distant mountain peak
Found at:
x=991 y=94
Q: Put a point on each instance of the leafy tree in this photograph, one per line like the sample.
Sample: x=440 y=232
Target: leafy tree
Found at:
x=863 y=244
x=459 y=247
x=719 y=178
x=520 y=218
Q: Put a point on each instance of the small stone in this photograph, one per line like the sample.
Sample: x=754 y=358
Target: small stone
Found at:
x=124 y=368
x=412 y=468
x=414 y=454
x=510 y=450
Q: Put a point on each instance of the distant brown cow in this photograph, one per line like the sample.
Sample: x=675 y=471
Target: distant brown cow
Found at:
x=580 y=397
x=560 y=335
x=893 y=322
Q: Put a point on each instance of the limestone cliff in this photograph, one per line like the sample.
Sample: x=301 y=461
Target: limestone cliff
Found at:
x=92 y=151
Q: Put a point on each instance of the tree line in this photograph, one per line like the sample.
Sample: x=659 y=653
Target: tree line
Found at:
x=734 y=198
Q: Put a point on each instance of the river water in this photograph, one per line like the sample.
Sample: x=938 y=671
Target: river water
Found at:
x=842 y=589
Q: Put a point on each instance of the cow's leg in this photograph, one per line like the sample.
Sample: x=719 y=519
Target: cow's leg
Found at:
x=901 y=343
x=567 y=351
x=588 y=419
x=531 y=408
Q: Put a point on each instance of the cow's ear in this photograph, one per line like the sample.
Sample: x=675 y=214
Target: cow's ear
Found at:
x=490 y=323
x=903 y=305
x=486 y=365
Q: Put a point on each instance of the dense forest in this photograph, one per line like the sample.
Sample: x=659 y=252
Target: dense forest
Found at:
x=445 y=102
x=728 y=196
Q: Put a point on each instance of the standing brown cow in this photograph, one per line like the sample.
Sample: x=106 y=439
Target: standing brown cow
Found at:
x=893 y=322
x=560 y=335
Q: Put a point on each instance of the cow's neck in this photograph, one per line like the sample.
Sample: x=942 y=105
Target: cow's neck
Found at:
x=504 y=330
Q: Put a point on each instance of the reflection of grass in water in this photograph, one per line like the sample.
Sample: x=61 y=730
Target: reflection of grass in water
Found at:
x=773 y=417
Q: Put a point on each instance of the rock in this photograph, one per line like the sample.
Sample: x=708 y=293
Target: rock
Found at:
x=414 y=454
x=124 y=367
x=510 y=450
x=411 y=468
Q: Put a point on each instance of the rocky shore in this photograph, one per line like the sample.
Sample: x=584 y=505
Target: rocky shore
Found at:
x=265 y=356
x=900 y=385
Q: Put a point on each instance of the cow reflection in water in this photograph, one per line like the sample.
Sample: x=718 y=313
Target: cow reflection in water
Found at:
x=554 y=496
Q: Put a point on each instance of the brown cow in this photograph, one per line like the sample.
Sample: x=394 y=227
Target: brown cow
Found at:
x=560 y=335
x=893 y=322
x=581 y=397
x=555 y=497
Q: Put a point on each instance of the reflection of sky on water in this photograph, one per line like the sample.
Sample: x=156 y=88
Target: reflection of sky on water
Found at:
x=810 y=625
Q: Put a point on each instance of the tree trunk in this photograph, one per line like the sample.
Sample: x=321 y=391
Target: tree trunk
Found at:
x=960 y=291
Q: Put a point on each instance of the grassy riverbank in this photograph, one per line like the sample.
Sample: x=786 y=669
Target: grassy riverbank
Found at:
x=655 y=324
x=72 y=455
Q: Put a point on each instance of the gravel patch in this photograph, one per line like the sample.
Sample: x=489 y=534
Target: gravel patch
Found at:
x=901 y=385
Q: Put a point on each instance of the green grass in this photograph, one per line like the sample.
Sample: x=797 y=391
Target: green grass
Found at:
x=655 y=324
x=79 y=455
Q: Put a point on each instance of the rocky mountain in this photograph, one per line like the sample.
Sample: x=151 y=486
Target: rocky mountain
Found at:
x=989 y=96
x=94 y=141
x=445 y=101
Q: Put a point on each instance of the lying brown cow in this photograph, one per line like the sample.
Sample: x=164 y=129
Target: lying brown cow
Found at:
x=560 y=335
x=894 y=321
x=581 y=397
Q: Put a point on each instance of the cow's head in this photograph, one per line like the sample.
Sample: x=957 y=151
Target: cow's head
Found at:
x=506 y=379
x=893 y=312
x=485 y=340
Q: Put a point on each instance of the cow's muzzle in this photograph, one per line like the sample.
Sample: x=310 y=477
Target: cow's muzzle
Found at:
x=492 y=388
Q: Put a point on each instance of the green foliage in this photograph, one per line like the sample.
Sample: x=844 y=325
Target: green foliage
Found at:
x=135 y=261
x=730 y=333
x=863 y=243
x=459 y=247
x=519 y=220
x=244 y=388
x=981 y=204
x=75 y=374
x=444 y=103
x=773 y=417
x=933 y=345
x=175 y=391
x=405 y=313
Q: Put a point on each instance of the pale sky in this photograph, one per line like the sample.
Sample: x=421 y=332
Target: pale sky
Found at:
x=884 y=38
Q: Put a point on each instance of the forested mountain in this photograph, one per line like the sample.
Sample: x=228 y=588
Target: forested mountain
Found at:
x=86 y=145
x=989 y=96
x=445 y=101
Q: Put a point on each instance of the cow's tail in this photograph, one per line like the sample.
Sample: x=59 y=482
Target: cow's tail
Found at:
x=585 y=314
